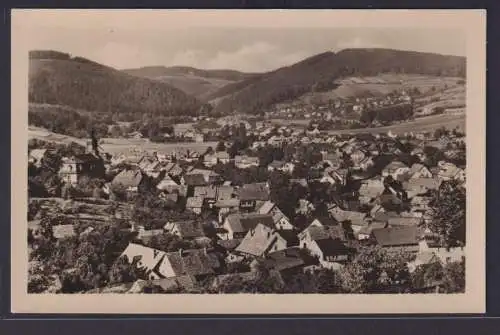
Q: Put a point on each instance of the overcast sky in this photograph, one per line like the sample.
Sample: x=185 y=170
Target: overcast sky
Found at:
x=148 y=38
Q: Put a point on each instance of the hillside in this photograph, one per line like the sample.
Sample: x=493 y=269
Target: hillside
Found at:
x=323 y=72
x=196 y=82
x=58 y=79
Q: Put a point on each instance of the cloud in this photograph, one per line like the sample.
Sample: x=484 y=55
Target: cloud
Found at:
x=259 y=56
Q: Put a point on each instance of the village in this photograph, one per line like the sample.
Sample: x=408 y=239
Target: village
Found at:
x=278 y=200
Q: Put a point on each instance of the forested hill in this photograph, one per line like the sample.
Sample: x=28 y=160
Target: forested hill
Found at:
x=320 y=73
x=59 y=79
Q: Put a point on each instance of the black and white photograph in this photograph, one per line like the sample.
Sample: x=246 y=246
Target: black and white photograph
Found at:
x=171 y=156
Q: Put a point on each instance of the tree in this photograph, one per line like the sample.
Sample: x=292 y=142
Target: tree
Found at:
x=448 y=213
x=123 y=271
x=375 y=270
x=450 y=278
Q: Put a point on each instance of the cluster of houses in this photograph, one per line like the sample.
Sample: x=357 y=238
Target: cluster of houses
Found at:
x=249 y=226
x=338 y=109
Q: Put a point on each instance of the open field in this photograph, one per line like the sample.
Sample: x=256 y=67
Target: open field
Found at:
x=120 y=145
x=428 y=123
x=382 y=85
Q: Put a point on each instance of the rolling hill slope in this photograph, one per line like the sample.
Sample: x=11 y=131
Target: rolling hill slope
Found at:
x=322 y=73
x=58 y=79
x=196 y=82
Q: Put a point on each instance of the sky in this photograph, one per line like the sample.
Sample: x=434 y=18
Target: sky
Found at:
x=224 y=40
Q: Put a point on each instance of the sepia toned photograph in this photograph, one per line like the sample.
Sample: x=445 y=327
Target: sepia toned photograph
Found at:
x=174 y=155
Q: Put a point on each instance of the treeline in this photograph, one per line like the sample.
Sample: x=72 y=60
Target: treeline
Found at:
x=65 y=121
x=321 y=72
x=387 y=114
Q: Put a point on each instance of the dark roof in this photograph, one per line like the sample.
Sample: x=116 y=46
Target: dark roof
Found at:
x=290 y=236
x=190 y=229
x=331 y=247
x=193 y=262
x=396 y=236
x=257 y=191
x=327 y=220
x=195 y=180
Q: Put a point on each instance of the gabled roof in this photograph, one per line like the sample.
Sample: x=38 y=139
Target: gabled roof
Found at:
x=240 y=223
x=257 y=241
x=331 y=247
x=397 y=236
x=192 y=262
x=266 y=207
x=37 y=154
x=148 y=257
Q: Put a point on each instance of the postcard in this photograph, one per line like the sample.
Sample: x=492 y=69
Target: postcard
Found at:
x=255 y=162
